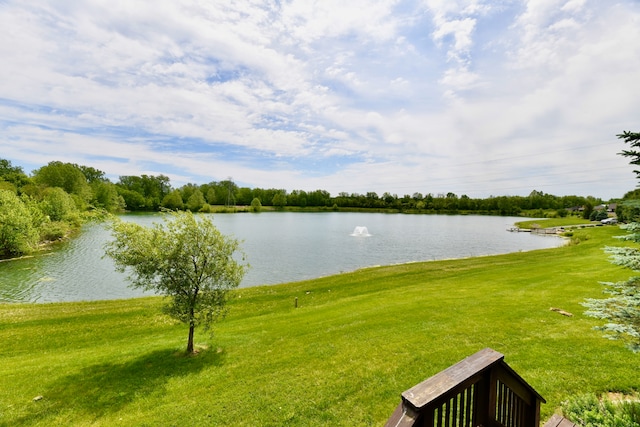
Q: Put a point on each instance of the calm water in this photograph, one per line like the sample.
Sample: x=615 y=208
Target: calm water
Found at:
x=280 y=247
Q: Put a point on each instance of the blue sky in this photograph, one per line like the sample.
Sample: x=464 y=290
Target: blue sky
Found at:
x=433 y=96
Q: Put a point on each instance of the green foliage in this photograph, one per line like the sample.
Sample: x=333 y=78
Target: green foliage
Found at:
x=578 y=237
x=628 y=210
x=196 y=201
x=633 y=139
x=92 y=175
x=147 y=193
x=105 y=196
x=587 y=410
x=4 y=185
x=57 y=204
x=256 y=206
x=18 y=236
x=13 y=175
x=133 y=200
x=598 y=215
x=588 y=210
x=186 y=259
x=67 y=176
x=622 y=308
x=54 y=230
x=279 y=199
x=54 y=202
x=207 y=208
x=173 y=201
x=144 y=192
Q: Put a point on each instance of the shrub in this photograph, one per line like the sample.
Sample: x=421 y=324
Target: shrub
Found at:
x=57 y=204
x=256 y=206
x=598 y=215
x=577 y=236
x=207 y=208
x=18 y=236
x=54 y=230
x=588 y=411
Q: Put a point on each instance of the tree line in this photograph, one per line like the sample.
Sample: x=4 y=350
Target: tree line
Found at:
x=90 y=188
x=54 y=200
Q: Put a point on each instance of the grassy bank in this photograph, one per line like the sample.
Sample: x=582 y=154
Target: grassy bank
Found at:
x=342 y=357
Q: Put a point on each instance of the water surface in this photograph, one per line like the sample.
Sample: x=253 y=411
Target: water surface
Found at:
x=280 y=247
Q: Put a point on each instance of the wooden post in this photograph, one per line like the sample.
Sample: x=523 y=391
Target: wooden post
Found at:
x=296 y=302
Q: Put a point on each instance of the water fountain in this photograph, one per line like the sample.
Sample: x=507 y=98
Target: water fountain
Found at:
x=360 y=231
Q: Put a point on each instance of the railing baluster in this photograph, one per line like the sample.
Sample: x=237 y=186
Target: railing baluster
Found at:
x=447 y=414
x=508 y=405
x=470 y=411
x=463 y=407
x=455 y=412
x=499 y=402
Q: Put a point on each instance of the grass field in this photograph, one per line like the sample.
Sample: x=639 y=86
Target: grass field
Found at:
x=342 y=358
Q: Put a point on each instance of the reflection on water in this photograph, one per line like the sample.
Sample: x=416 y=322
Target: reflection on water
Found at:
x=75 y=270
x=280 y=247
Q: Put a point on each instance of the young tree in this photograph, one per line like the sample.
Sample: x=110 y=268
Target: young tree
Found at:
x=57 y=204
x=196 y=201
x=279 y=199
x=186 y=259
x=622 y=308
x=256 y=206
x=173 y=201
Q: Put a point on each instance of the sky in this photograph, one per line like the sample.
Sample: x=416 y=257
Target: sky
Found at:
x=478 y=98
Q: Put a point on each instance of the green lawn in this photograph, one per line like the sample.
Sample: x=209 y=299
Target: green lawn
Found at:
x=341 y=358
x=571 y=221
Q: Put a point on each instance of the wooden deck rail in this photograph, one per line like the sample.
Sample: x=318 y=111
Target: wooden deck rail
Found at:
x=481 y=390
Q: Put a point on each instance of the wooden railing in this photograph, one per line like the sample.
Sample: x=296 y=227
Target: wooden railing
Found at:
x=481 y=390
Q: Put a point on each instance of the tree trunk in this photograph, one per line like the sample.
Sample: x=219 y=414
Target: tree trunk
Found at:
x=190 y=341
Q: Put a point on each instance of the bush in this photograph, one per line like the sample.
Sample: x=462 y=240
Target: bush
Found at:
x=18 y=236
x=588 y=411
x=256 y=206
x=598 y=215
x=54 y=230
x=207 y=208
x=57 y=204
x=576 y=237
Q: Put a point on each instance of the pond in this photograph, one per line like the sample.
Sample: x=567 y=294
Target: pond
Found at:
x=280 y=247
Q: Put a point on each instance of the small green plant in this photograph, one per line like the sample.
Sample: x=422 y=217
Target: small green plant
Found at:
x=577 y=237
x=587 y=410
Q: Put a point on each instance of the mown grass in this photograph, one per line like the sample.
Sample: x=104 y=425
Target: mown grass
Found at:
x=556 y=222
x=342 y=358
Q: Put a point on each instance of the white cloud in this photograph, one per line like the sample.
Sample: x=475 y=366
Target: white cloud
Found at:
x=373 y=96
x=461 y=31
